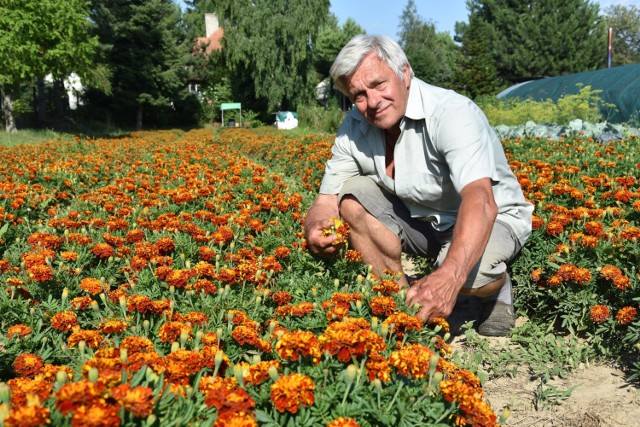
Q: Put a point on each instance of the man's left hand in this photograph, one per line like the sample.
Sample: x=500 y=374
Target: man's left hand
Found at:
x=435 y=294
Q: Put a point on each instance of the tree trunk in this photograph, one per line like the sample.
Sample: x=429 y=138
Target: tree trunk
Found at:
x=7 y=111
x=139 y=117
x=41 y=102
x=60 y=98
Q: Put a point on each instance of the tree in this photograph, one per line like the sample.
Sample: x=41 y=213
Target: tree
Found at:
x=141 y=43
x=331 y=39
x=273 y=42
x=476 y=73
x=625 y=22
x=537 y=38
x=40 y=37
x=432 y=55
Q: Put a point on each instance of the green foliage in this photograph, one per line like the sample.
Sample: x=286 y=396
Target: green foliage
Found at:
x=625 y=22
x=586 y=105
x=331 y=38
x=272 y=41
x=432 y=55
x=532 y=39
x=319 y=118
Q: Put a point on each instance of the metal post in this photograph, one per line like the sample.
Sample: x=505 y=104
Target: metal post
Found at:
x=610 y=48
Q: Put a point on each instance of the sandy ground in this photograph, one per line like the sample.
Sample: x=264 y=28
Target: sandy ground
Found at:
x=601 y=397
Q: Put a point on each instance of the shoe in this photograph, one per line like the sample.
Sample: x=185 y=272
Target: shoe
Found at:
x=497 y=319
x=467 y=309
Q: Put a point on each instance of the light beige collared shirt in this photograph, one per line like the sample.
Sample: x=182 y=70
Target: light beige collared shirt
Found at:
x=445 y=143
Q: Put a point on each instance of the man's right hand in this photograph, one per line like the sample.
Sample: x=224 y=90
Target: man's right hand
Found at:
x=318 y=243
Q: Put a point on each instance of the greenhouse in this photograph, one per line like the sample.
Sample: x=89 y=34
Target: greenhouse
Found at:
x=620 y=86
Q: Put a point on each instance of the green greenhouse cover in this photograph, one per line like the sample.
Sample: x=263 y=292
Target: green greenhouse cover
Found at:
x=619 y=85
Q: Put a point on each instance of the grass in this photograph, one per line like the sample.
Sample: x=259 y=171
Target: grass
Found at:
x=29 y=136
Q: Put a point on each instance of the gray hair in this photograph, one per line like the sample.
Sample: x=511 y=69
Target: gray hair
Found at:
x=359 y=47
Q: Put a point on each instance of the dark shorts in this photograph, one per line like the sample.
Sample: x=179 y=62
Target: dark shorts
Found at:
x=419 y=238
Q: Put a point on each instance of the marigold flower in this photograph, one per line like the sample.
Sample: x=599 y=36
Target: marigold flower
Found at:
x=72 y=396
x=18 y=330
x=40 y=272
x=610 y=272
x=81 y=303
x=64 y=321
x=93 y=286
x=338 y=228
x=282 y=252
x=343 y=422
x=353 y=255
x=473 y=410
x=626 y=315
x=289 y=392
x=25 y=390
x=102 y=250
x=69 y=256
x=383 y=305
x=378 y=367
x=412 y=361
x=170 y=331
x=93 y=339
x=28 y=365
x=599 y=313
x=281 y=297
x=298 y=344
x=98 y=414
x=402 y=322
x=386 y=286
x=31 y=415
x=554 y=228
x=113 y=326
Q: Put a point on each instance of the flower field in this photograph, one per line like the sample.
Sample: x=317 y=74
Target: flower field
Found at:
x=161 y=278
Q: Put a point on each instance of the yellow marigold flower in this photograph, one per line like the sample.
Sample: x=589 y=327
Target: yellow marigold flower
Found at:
x=383 y=305
x=340 y=229
x=290 y=392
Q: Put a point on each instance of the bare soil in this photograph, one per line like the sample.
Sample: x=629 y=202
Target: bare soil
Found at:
x=600 y=398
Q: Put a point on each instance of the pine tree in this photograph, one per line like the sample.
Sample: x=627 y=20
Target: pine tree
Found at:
x=537 y=38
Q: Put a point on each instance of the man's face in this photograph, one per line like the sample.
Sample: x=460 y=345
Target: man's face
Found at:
x=378 y=93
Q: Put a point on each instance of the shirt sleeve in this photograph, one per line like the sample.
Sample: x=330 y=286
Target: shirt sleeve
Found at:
x=342 y=165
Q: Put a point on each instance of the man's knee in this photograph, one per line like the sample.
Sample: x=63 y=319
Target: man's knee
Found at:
x=350 y=208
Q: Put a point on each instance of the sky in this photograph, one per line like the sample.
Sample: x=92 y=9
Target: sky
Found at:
x=383 y=16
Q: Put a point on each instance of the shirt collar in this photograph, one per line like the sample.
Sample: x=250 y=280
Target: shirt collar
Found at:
x=415 y=110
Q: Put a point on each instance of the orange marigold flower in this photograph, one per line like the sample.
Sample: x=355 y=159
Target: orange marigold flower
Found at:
x=282 y=252
x=102 y=250
x=206 y=254
x=98 y=414
x=378 y=367
x=383 y=305
x=134 y=236
x=554 y=228
x=402 y=322
x=69 y=256
x=599 y=313
x=72 y=396
x=610 y=272
x=302 y=309
x=589 y=241
x=93 y=286
x=170 y=331
x=44 y=240
x=18 y=330
x=40 y=272
x=473 y=410
x=114 y=326
x=298 y=344
x=386 y=287
x=622 y=282
x=536 y=275
x=290 y=392
x=135 y=344
x=343 y=422
x=281 y=297
x=28 y=365
x=93 y=339
x=536 y=222
x=353 y=255
x=64 y=321
x=626 y=315
x=81 y=303
x=24 y=390
x=412 y=361
x=31 y=415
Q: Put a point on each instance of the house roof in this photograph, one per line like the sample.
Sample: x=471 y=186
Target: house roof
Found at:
x=211 y=43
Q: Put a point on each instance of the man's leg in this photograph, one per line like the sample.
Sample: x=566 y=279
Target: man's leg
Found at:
x=382 y=227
